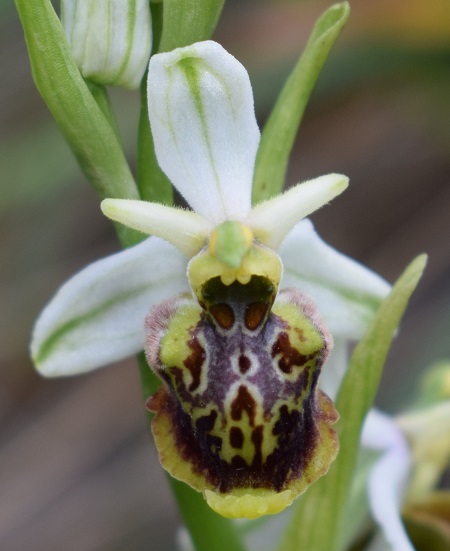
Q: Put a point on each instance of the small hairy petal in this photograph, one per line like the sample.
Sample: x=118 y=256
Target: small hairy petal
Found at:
x=272 y=220
x=97 y=317
x=184 y=229
x=202 y=118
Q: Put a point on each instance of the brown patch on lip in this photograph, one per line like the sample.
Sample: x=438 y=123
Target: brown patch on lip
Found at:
x=223 y=314
x=194 y=362
x=289 y=356
x=244 y=401
x=254 y=315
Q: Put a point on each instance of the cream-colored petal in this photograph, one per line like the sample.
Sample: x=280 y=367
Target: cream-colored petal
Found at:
x=272 y=220
x=203 y=122
x=186 y=230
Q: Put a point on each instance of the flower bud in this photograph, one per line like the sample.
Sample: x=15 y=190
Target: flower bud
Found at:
x=110 y=40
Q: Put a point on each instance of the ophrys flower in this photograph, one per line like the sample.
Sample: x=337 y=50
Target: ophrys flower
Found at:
x=240 y=416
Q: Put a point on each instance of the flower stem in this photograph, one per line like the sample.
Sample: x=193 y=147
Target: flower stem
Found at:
x=153 y=184
x=208 y=530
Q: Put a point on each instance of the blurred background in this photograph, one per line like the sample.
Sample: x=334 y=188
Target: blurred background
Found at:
x=77 y=468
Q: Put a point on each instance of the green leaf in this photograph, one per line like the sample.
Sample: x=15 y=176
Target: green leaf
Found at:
x=317 y=522
x=281 y=128
x=81 y=120
x=188 y=21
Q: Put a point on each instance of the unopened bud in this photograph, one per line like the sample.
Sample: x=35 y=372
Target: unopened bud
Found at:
x=110 y=40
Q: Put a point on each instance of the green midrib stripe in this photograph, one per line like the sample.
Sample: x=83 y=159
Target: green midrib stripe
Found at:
x=131 y=27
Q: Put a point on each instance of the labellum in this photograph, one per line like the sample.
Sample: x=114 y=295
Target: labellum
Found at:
x=239 y=416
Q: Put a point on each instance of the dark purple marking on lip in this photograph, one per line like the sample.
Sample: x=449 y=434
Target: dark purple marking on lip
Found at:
x=296 y=432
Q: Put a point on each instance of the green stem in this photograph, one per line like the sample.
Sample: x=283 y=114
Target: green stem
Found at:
x=153 y=184
x=156 y=9
x=82 y=122
x=188 y=21
x=80 y=110
x=101 y=97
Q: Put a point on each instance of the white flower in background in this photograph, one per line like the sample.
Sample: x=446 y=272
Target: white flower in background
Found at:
x=414 y=452
x=388 y=480
x=110 y=40
x=226 y=358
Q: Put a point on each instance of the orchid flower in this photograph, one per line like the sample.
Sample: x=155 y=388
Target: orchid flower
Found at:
x=239 y=416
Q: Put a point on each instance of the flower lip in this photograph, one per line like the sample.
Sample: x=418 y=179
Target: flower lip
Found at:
x=239 y=413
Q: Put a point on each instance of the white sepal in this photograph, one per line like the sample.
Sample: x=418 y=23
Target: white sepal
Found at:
x=346 y=293
x=202 y=117
x=272 y=220
x=97 y=317
x=185 y=229
x=387 y=479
